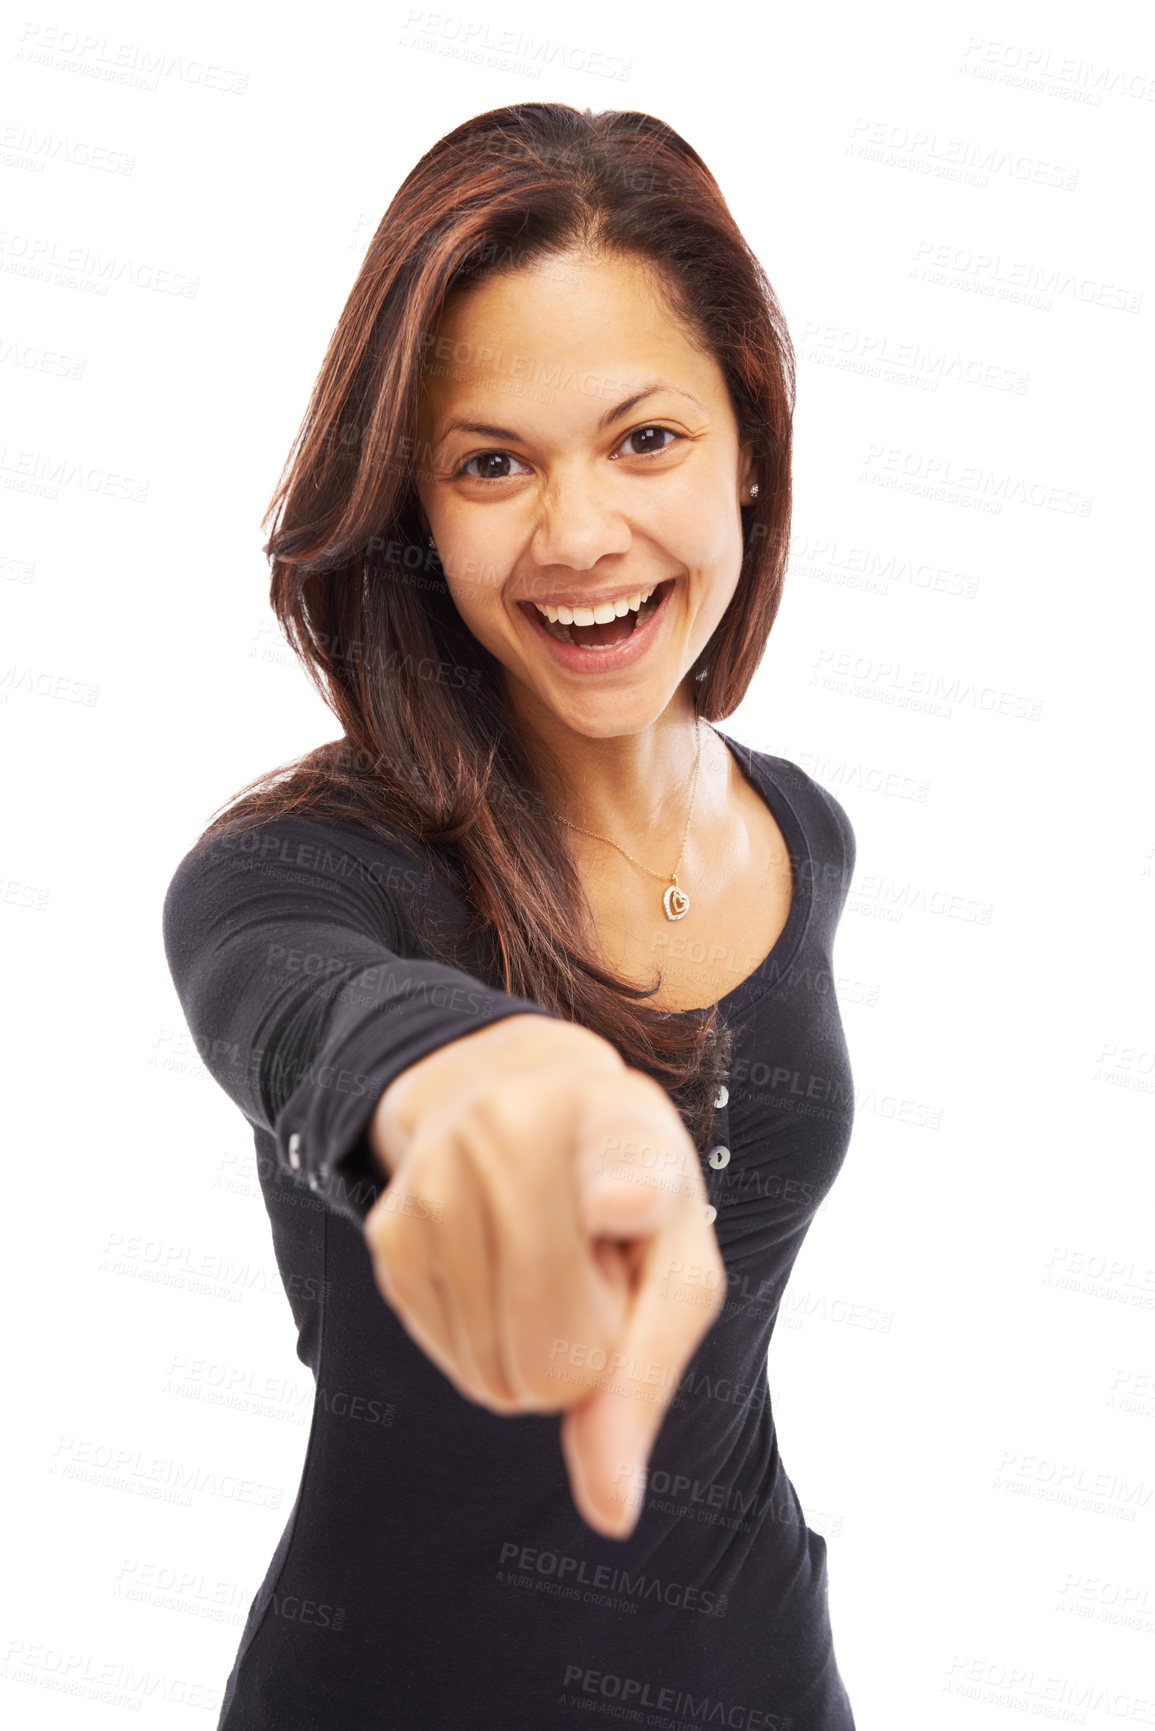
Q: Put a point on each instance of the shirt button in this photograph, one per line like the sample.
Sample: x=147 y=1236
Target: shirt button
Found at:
x=722 y=1096
x=711 y=1215
x=295 y=1150
x=718 y=1157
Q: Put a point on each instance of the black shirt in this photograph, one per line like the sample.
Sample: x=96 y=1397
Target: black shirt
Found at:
x=434 y=1572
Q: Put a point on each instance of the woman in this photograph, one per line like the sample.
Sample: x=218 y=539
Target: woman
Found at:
x=524 y=983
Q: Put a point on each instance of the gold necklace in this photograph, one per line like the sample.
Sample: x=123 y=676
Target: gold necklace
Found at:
x=675 y=901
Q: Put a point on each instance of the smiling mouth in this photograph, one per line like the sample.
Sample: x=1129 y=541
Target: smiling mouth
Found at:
x=602 y=634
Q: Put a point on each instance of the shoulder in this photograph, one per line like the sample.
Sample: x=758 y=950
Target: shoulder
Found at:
x=298 y=865
x=823 y=817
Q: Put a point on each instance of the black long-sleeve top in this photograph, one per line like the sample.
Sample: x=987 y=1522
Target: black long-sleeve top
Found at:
x=434 y=1572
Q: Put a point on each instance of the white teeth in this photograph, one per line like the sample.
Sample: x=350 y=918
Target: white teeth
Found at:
x=600 y=614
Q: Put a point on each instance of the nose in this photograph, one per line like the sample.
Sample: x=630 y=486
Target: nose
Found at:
x=578 y=525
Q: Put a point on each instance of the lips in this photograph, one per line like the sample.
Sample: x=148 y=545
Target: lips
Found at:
x=621 y=624
x=565 y=646
x=600 y=609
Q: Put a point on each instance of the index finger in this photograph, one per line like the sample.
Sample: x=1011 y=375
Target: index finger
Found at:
x=607 y=1439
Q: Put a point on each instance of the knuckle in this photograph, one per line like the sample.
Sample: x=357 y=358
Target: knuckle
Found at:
x=647 y=1092
x=592 y=1046
x=496 y=1110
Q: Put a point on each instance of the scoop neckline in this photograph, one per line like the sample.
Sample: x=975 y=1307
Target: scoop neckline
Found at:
x=756 y=767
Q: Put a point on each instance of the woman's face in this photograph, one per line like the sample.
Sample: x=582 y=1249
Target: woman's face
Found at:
x=576 y=448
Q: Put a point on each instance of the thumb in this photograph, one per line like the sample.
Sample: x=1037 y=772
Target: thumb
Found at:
x=623 y=1205
x=628 y=1187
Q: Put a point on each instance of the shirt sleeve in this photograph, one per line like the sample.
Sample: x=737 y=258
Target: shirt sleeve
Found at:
x=286 y=946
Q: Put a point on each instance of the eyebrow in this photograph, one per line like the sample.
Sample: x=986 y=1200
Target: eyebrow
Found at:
x=611 y=415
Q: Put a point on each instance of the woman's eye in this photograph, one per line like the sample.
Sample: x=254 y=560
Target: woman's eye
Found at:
x=491 y=466
x=499 y=465
x=645 y=437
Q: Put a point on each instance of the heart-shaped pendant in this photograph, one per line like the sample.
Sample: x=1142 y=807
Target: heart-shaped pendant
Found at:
x=676 y=903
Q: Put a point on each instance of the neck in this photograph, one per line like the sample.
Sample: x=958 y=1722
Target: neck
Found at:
x=631 y=787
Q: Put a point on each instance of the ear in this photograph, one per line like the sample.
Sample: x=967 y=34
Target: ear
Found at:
x=747 y=473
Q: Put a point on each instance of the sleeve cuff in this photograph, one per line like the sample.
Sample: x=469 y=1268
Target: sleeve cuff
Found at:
x=322 y=1130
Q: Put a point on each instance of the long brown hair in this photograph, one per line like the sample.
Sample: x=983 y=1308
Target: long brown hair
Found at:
x=430 y=749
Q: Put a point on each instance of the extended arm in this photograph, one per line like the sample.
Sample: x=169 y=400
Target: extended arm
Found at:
x=286 y=950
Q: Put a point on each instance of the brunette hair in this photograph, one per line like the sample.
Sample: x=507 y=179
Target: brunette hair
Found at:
x=430 y=751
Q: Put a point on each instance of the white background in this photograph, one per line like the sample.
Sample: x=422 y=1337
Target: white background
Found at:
x=951 y=203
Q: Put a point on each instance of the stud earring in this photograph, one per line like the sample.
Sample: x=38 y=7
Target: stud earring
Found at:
x=754 y=491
